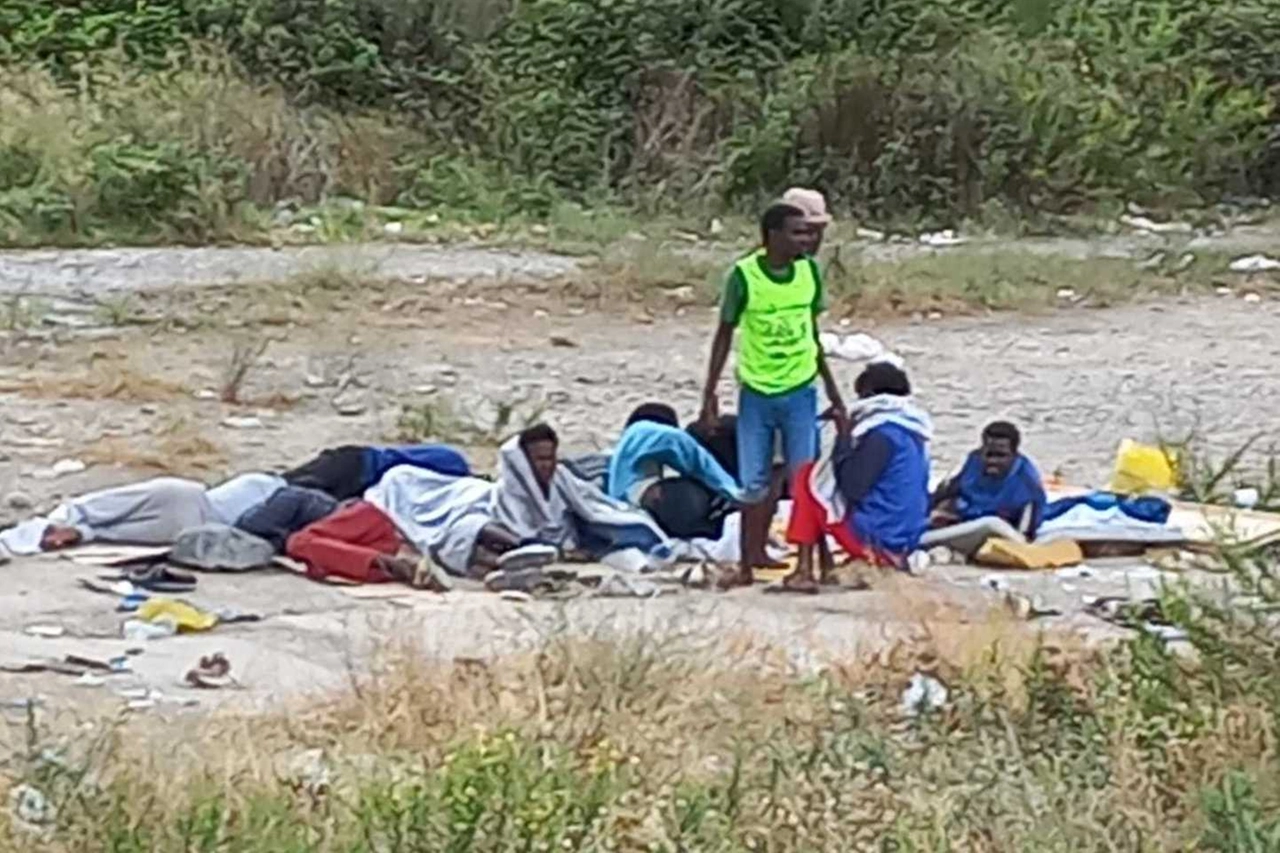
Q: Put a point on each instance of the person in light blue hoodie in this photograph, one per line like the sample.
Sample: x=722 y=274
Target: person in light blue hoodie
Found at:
x=653 y=443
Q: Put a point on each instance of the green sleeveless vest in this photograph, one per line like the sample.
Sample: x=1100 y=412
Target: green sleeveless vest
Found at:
x=777 y=351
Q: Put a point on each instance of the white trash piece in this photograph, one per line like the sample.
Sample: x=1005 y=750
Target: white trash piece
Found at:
x=631 y=560
x=1246 y=498
x=942 y=239
x=1254 y=263
x=136 y=629
x=1142 y=223
x=924 y=693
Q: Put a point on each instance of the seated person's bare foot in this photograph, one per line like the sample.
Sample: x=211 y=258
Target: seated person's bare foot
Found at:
x=735 y=577
x=826 y=565
x=401 y=569
x=799 y=582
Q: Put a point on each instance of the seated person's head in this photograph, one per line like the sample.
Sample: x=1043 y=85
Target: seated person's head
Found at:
x=1000 y=443
x=59 y=536
x=879 y=378
x=540 y=443
x=658 y=413
x=784 y=232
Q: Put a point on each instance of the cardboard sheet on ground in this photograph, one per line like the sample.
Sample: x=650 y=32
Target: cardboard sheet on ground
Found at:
x=1001 y=553
x=112 y=555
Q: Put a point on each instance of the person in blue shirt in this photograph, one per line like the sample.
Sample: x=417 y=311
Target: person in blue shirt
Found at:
x=871 y=494
x=997 y=492
x=653 y=443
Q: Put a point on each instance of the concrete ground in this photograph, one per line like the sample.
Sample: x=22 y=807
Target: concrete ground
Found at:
x=1077 y=382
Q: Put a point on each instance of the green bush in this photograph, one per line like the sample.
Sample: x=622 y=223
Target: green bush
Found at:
x=929 y=110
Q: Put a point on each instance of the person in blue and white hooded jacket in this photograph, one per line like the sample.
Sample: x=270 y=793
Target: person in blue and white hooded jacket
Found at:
x=997 y=492
x=871 y=492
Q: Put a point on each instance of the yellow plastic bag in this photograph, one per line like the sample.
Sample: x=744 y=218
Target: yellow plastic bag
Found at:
x=183 y=616
x=1142 y=468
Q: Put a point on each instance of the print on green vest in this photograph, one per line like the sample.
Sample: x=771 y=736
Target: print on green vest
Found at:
x=777 y=350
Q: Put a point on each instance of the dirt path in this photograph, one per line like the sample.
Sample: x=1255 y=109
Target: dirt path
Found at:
x=1077 y=381
x=96 y=272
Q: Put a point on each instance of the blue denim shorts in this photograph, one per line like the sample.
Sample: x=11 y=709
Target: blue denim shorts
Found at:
x=760 y=419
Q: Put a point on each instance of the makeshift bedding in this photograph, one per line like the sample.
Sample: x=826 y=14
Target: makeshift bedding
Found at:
x=439 y=514
x=152 y=512
x=1105 y=517
x=575 y=515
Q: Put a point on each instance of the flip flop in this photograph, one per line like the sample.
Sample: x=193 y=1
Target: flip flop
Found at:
x=161 y=578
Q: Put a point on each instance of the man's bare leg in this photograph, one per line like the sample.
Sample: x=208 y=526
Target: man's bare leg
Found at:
x=802 y=580
x=826 y=563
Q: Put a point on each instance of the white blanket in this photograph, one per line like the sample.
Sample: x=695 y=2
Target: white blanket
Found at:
x=573 y=505
x=440 y=515
x=867 y=414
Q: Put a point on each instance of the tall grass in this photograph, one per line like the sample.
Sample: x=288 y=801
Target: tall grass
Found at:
x=653 y=743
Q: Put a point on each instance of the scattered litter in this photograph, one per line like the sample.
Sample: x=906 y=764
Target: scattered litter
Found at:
x=242 y=423
x=184 y=618
x=1252 y=298
x=113 y=665
x=1246 y=498
x=918 y=562
x=994 y=582
x=1168 y=633
x=120 y=589
x=1185 y=262
x=350 y=408
x=716 y=228
x=941 y=555
x=205 y=394
x=869 y=234
x=624 y=585
x=213 y=672
x=89 y=680
x=1142 y=223
x=1077 y=572
x=631 y=560
x=1066 y=293
x=393 y=228
x=1025 y=607
x=516 y=596
x=131 y=602
x=698 y=576
x=1254 y=263
x=1223 y=291
x=134 y=692
x=942 y=239
x=30 y=806
x=49 y=631
x=137 y=629
x=925 y=693
x=26 y=703
x=63 y=467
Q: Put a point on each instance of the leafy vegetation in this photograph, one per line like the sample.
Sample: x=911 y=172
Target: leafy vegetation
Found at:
x=171 y=119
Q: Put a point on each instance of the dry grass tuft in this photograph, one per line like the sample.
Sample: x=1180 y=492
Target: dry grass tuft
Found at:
x=103 y=381
x=177 y=447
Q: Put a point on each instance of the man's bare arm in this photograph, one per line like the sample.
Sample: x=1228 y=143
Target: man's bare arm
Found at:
x=720 y=346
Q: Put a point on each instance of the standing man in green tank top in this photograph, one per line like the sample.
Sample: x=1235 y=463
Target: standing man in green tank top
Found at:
x=772 y=298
